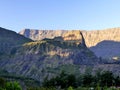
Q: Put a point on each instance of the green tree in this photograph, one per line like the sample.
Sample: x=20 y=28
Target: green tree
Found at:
x=87 y=80
x=117 y=81
x=70 y=88
x=2 y=82
x=107 y=78
x=13 y=86
x=71 y=80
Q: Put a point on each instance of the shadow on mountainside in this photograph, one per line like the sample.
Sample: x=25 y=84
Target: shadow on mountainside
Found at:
x=107 y=49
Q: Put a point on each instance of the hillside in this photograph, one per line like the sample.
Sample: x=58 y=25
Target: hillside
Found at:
x=49 y=57
x=92 y=39
x=104 y=43
x=9 y=40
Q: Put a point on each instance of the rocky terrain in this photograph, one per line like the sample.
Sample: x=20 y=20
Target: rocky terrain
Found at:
x=101 y=42
x=10 y=40
x=47 y=57
x=50 y=56
x=104 y=43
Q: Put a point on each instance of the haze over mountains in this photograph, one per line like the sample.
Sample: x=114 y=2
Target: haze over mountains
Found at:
x=104 y=43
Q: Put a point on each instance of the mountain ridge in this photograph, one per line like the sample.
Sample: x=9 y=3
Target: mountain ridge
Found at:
x=92 y=38
x=38 y=59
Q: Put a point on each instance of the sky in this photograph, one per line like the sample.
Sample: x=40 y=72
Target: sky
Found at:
x=59 y=14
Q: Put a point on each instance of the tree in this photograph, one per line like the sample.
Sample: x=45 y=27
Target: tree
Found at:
x=2 y=82
x=70 y=88
x=117 y=81
x=13 y=86
x=107 y=78
x=62 y=81
x=87 y=80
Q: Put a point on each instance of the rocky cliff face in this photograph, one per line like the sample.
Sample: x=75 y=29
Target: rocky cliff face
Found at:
x=92 y=38
x=104 y=43
x=41 y=34
x=37 y=59
x=95 y=40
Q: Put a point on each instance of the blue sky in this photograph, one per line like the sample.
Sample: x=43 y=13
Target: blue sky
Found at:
x=59 y=14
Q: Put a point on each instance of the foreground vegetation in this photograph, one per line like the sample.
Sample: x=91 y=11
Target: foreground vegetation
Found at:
x=99 y=81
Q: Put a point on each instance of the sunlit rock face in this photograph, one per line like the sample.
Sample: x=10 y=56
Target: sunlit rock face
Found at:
x=41 y=34
x=67 y=35
x=92 y=38
x=36 y=59
x=104 y=43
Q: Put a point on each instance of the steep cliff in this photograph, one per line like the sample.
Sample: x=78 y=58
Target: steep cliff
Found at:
x=37 y=59
x=101 y=42
x=92 y=38
x=41 y=34
x=104 y=43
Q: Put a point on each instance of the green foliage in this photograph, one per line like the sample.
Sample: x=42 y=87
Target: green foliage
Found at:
x=70 y=88
x=116 y=81
x=13 y=86
x=98 y=87
x=63 y=80
x=41 y=88
x=4 y=85
x=88 y=80
x=2 y=82
x=99 y=81
x=107 y=78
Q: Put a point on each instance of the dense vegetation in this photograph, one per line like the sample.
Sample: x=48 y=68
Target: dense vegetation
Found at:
x=9 y=85
x=99 y=81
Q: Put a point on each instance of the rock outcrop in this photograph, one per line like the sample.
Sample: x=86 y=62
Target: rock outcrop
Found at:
x=41 y=34
x=37 y=59
x=93 y=39
x=104 y=43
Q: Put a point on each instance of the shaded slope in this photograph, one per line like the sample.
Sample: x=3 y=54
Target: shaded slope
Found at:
x=107 y=49
x=10 y=39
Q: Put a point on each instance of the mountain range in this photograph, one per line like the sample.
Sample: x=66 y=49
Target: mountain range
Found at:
x=46 y=57
x=40 y=53
x=98 y=41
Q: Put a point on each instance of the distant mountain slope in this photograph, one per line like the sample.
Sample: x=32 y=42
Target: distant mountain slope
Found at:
x=107 y=49
x=48 y=56
x=10 y=39
x=39 y=59
x=92 y=38
x=104 y=43
x=41 y=34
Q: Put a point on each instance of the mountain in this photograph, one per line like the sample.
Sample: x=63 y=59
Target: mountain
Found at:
x=9 y=40
x=107 y=49
x=104 y=43
x=47 y=57
x=92 y=39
